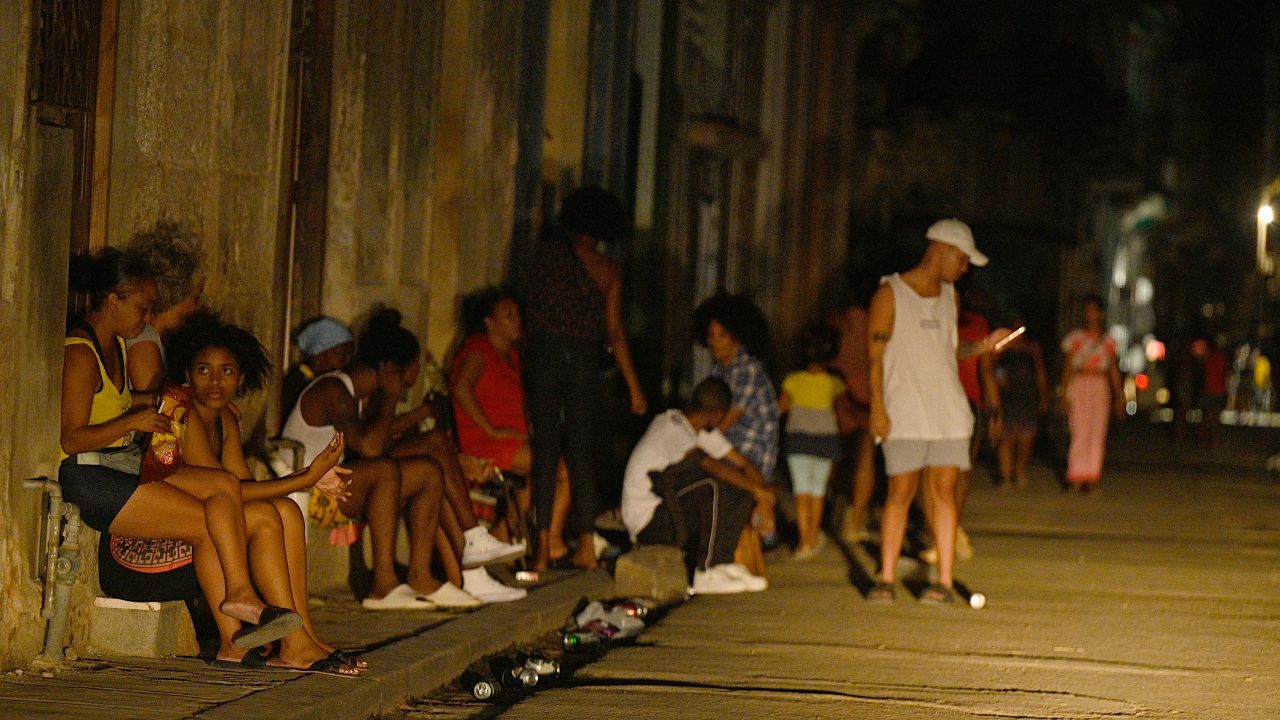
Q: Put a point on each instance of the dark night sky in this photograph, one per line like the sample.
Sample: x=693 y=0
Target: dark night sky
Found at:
x=1127 y=87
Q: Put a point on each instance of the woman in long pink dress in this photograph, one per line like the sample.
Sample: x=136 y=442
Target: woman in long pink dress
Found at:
x=1091 y=380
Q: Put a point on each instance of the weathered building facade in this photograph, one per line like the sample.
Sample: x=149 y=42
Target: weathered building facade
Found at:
x=334 y=154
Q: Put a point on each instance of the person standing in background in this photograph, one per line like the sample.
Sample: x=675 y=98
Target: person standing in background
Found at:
x=574 y=304
x=977 y=376
x=1213 y=390
x=1092 y=392
x=852 y=364
x=1024 y=398
x=918 y=407
x=813 y=438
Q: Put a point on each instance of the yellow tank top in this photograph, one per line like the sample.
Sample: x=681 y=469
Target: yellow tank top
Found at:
x=108 y=403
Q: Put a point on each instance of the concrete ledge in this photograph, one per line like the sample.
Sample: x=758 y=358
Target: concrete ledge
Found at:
x=141 y=629
x=652 y=571
x=414 y=666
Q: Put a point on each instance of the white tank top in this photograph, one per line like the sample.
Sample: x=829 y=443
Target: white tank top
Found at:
x=313 y=437
x=922 y=390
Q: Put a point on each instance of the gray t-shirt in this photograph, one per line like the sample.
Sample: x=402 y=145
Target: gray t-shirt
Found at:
x=148 y=334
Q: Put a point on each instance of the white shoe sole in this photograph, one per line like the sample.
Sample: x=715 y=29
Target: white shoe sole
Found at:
x=500 y=597
x=492 y=557
x=720 y=591
x=402 y=597
x=451 y=597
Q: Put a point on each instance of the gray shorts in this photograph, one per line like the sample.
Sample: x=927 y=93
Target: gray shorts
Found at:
x=906 y=455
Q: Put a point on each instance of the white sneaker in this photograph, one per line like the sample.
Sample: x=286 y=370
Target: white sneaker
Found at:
x=716 y=582
x=452 y=597
x=754 y=583
x=484 y=549
x=479 y=584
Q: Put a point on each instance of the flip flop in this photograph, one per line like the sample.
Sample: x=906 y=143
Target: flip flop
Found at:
x=348 y=659
x=881 y=594
x=255 y=659
x=273 y=624
x=936 y=595
x=328 y=665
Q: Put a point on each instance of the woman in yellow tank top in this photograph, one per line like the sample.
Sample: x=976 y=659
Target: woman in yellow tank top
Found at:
x=201 y=506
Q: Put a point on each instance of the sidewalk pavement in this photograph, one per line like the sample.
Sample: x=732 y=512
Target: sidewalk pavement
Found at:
x=409 y=654
x=1156 y=599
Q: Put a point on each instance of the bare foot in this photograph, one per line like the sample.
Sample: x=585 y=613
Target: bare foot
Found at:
x=557 y=549
x=247 y=608
x=309 y=657
x=231 y=653
x=586 y=560
x=426 y=586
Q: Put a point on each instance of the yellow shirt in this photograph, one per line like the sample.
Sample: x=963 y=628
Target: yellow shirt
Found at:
x=813 y=390
x=108 y=403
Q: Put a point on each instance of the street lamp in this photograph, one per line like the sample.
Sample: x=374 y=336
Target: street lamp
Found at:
x=1266 y=215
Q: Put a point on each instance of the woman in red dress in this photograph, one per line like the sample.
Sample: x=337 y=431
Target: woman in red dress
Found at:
x=488 y=399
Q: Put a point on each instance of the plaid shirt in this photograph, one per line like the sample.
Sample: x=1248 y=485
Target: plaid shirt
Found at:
x=755 y=434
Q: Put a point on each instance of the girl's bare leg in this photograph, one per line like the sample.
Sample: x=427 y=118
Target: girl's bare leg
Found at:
x=437 y=446
x=422 y=492
x=268 y=560
x=450 y=544
x=293 y=527
x=561 y=501
x=161 y=511
x=815 y=518
x=219 y=491
x=804 y=542
x=375 y=495
x=1006 y=451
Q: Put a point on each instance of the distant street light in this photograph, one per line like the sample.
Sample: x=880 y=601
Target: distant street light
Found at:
x=1266 y=215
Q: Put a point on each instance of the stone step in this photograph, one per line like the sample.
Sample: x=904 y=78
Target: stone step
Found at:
x=141 y=629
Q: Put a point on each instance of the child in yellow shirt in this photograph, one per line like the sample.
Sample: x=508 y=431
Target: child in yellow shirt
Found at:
x=812 y=440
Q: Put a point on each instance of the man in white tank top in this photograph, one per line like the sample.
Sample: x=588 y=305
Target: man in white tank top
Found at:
x=918 y=408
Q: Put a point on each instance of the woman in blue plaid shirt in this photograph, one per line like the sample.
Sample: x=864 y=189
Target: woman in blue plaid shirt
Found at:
x=734 y=330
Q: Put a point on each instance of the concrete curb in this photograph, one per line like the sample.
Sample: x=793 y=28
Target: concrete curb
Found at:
x=417 y=665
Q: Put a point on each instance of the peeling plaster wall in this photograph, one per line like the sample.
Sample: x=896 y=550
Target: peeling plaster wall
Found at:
x=382 y=144
x=197 y=139
x=35 y=212
x=406 y=226
x=491 y=146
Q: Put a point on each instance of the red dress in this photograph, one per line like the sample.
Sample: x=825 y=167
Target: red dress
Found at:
x=499 y=392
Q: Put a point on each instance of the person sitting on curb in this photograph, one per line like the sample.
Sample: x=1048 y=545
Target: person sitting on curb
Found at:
x=361 y=402
x=101 y=466
x=212 y=362
x=685 y=475
x=465 y=547
x=381 y=488
x=326 y=345
x=488 y=402
x=172 y=254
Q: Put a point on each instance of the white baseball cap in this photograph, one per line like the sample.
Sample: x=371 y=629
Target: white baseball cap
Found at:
x=954 y=232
